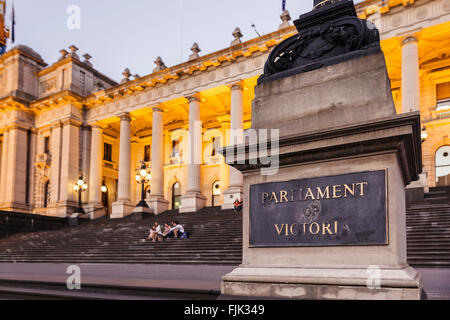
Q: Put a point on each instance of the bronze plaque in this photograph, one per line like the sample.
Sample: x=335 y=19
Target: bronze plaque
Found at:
x=348 y=209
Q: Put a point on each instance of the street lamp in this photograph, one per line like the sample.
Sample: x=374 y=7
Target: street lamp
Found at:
x=143 y=176
x=104 y=188
x=424 y=134
x=79 y=188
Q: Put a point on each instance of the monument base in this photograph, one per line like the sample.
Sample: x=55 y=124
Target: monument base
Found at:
x=121 y=209
x=324 y=284
x=62 y=209
x=94 y=211
x=140 y=212
x=158 y=204
x=192 y=202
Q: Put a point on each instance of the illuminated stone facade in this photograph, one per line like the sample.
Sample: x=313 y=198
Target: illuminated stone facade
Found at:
x=66 y=119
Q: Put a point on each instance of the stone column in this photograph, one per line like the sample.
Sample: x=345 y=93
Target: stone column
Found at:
x=69 y=167
x=95 y=208
x=15 y=190
x=157 y=202
x=411 y=96
x=55 y=152
x=123 y=206
x=193 y=200
x=4 y=168
x=410 y=75
x=235 y=189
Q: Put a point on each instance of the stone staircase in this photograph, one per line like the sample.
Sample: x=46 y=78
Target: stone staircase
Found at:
x=428 y=230
x=215 y=238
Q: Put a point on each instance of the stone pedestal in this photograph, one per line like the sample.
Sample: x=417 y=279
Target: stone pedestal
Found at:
x=158 y=204
x=121 y=209
x=333 y=121
x=94 y=211
x=192 y=202
x=62 y=209
x=140 y=212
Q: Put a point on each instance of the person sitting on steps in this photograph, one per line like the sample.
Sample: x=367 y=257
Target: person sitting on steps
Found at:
x=178 y=230
x=155 y=233
x=167 y=234
x=237 y=205
x=152 y=231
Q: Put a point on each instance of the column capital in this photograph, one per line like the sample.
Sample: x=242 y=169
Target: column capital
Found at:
x=20 y=126
x=409 y=39
x=195 y=97
x=71 y=122
x=157 y=109
x=95 y=125
x=125 y=116
x=237 y=86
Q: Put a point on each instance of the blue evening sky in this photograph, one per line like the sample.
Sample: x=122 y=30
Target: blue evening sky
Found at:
x=133 y=33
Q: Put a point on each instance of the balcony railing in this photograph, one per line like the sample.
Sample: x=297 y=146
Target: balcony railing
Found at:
x=440 y=114
x=444 y=114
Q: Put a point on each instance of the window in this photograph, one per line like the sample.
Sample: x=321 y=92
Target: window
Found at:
x=107 y=152
x=46 y=145
x=443 y=96
x=215 y=145
x=175 y=148
x=176 y=196
x=443 y=166
x=63 y=79
x=82 y=81
x=216 y=194
x=147 y=153
x=46 y=194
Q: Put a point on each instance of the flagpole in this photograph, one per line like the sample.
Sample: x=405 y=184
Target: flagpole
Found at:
x=181 y=31
x=13 y=25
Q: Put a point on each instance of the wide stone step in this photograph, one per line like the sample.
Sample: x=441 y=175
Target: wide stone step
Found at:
x=50 y=290
x=130 y=261
x=128 y=252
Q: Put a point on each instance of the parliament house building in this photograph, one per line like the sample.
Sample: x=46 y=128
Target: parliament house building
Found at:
x=67 y=121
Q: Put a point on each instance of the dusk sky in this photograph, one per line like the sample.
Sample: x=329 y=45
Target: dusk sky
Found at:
x=133 y=33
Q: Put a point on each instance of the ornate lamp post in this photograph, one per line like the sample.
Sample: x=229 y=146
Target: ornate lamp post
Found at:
x=143 y=176
x=79 y=188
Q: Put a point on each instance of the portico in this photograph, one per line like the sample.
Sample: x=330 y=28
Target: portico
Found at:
x=183 y=150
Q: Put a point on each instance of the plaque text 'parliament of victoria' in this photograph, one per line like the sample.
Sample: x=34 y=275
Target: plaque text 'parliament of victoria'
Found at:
x=349 y=209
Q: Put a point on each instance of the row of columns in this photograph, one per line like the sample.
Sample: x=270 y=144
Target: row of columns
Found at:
x=193 y=200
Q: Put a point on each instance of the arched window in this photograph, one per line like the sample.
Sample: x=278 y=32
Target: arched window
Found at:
x=443 y=166
x=46 y=193
x=176 y=196
x=216 y=194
